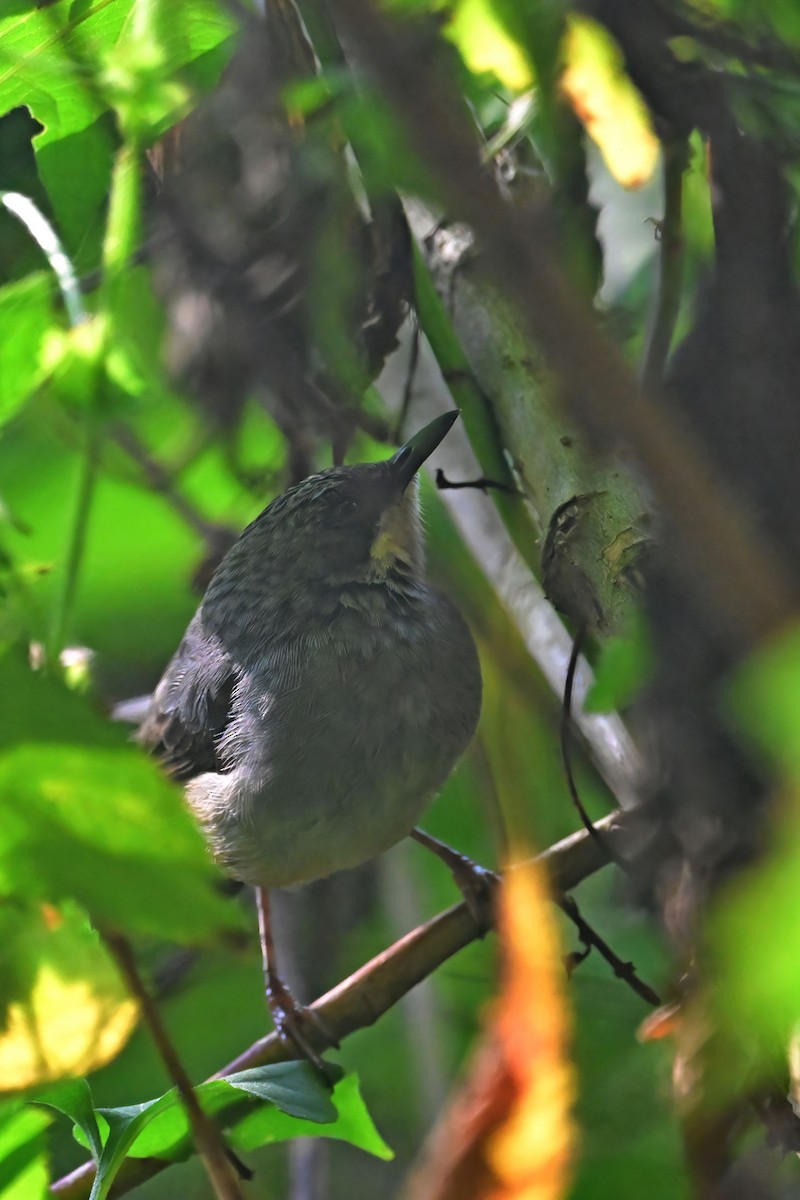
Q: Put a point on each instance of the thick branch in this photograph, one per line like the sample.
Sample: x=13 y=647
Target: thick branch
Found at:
x=371 y=991
x=726 y=564
x=590 y=579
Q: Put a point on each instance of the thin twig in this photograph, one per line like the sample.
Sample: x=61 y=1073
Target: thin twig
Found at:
x=623 y=970
x=482 y=484
x=376 y=987
x=162 y=481
x=410 y=380
x=79 y=528
x=207 y=1138
x=566 y=756
x=670 y=265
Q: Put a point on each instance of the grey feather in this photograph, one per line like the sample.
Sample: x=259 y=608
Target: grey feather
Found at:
x=323 y=691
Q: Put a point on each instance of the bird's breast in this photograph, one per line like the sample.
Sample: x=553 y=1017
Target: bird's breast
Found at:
x=338 y=741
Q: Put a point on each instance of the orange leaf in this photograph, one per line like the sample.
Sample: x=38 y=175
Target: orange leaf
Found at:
x=532 y=1149
x=508 y=1133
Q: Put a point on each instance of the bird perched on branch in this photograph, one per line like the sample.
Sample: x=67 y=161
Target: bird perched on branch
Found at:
x=324 y=690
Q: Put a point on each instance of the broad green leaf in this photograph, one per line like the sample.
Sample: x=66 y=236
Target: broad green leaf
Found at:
x=45 y=710
x=290 y=1093
x=105 y=828
x=293 y=1087
x=65 y=1008
x=486 y=46
x=166 y=50
x=353 y=1124
x=69 y=64
x=281 y=1101
x=25 y=313
x=23 y=1153
x=73 y=1097
x=124 y=1126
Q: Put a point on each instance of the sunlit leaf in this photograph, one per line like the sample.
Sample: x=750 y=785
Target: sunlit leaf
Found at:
x=73 y=1097
x=43 y=51
x=25 y=313
x=485 y=45
x=607 y=103
x=105 y=828
x=352 y=1124
x=268 y=1104
x=23 y=1153
x=71 y=1013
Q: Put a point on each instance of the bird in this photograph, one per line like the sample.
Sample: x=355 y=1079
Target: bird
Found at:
x=323 y=691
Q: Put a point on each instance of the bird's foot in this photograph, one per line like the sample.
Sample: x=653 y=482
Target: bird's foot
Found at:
x=297 y=1025
x=478 y=885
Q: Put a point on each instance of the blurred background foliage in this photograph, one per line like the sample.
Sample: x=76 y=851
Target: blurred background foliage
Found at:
x=236 y=204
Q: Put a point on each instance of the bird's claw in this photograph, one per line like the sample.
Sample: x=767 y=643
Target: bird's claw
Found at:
x=478 y=885
x=298 y=1026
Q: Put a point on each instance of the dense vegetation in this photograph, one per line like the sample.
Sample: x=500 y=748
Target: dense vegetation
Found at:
x=237 y=246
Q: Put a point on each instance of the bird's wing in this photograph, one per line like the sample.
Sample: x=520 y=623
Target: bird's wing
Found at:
x=191 y=706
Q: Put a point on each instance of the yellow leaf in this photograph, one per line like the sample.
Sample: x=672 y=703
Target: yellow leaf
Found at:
x=75 y=1015
x=485 y=45
x=609 y=106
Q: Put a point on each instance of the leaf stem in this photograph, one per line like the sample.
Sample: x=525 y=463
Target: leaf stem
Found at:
x=77 y=544
x=207 y=1138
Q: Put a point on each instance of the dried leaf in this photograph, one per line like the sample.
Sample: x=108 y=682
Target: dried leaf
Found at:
x=508 y=1134
x=532 y=1149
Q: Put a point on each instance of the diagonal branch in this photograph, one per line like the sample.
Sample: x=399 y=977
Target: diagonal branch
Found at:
x=376 y=987
x=742 y=579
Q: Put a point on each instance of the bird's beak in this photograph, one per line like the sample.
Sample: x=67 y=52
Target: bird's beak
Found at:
x=409 y=458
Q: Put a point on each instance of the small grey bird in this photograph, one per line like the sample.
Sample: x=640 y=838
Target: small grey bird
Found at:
x=324 y=690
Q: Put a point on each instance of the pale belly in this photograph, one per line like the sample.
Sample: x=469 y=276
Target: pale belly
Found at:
x=335 y=760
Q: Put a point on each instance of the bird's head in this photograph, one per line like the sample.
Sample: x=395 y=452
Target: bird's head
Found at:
x=344 y=526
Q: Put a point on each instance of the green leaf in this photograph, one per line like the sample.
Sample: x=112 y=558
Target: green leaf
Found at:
x=622 y=669
x=753 y=931
x=23 y=1157
x=124 y=1126
x=25 y=313
x=106 y=828
x=353 y=1124
x=290 y=1093
x=293 y=1087
x=70 y=64
x=764 y=700
x=73 y=1097
x=281 y=1101
x=45 y=710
